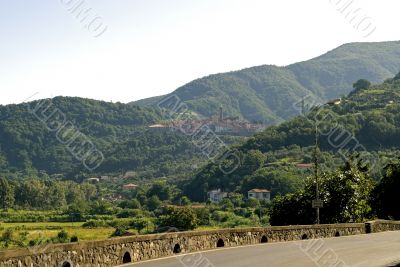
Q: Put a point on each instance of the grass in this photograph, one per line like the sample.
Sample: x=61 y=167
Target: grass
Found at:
x=207 y=228
x=375 y=91
x=81 y=233
x=41 y=225
x=48 y=230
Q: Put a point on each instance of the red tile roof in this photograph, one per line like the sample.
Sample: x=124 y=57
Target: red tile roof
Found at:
x=258 y=190
x=130 y=186
x=304 y=165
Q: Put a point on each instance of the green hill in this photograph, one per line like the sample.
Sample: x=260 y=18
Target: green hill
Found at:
x=267 y=93
x=120 y=132
x=365 y=122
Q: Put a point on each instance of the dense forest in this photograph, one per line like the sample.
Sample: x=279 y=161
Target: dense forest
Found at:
x=120 y=132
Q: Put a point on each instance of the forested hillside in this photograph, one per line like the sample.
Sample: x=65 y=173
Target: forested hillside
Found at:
x=267 y=93
x=119 y=131
x=365 y=122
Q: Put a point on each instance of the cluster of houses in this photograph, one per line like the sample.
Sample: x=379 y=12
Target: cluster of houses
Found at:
x=129 y=186
x=217 y=123
x=216 y=196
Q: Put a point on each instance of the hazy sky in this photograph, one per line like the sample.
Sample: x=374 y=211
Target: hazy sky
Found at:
x=145 y=48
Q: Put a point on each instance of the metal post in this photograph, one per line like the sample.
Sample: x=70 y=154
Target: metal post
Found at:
x=316 y=169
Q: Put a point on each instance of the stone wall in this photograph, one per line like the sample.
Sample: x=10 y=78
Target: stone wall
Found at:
x=116 y=251
x=382 y=226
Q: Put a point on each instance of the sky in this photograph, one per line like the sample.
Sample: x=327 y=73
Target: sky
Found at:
x=125 y=50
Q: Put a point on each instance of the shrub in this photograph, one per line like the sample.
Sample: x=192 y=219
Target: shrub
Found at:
x=120 y=231
x=95 y=224
x=74 y=239
x=181 y=218
x=7 y=237
x=129 y=213
x=62 y=237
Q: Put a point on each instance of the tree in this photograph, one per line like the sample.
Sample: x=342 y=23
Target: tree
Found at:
x=6 y=194
x=253 y=203
x=142 y=223
x=236 y=199
x=135 y=204
x=203 y=216
x=76 y=211
x=153 y=203
x=89 y=190
x=182 y=218
x=130 y=204
x=291 y=209
x=160 y=189
x=55 y=195
x=361 y=84
x=74 y=194
x=226 y=204
x=385 y=196
x=101 y=207
x=185 y=201
x=345 y=194
x=277 y=180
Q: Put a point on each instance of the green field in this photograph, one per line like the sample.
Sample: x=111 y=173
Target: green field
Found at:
x=38 y=231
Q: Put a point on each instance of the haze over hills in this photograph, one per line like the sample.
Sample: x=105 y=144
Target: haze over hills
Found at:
x=267 y=93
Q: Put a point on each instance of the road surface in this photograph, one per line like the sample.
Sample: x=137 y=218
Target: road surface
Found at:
x=380 y=249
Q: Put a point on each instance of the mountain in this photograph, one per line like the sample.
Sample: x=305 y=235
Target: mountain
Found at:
x=32 y=140
x=367 y=122
x=268 y=93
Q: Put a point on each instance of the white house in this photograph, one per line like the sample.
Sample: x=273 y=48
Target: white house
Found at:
x=217 y=195
x=260 y=194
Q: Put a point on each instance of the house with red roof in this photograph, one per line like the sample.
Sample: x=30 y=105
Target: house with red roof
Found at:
x=260 y=194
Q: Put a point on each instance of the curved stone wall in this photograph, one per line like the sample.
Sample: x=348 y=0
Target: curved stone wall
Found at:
x=117 y=251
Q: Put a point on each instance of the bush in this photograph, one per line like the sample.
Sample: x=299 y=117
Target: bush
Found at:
x=120 y=223
x=95 y=224
x=120 y=231
x=74 y=239
x=222 y=216
x=265 y=220
x=62 y=237
x=142 y=224
x=7 y=237
x=129 y=213
x=244 y=212
x=21 y=216
x=203 y=216
x=181 y=218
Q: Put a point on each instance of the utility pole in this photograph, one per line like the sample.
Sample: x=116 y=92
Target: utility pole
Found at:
x=317 y=203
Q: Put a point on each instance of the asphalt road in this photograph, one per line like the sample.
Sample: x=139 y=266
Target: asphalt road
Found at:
x=381 y=249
